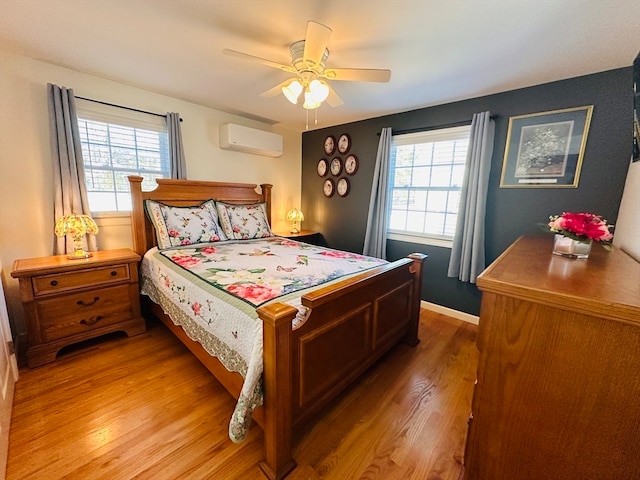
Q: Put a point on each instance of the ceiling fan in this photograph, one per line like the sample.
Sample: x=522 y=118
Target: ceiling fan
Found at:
x=308 y=59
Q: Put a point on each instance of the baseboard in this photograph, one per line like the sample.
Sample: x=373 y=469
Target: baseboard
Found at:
x=450 y=312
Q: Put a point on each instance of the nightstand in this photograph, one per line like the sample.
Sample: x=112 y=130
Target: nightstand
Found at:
x=67 y=301
x=307 y=236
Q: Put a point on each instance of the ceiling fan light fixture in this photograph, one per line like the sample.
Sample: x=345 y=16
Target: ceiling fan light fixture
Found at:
x=309 y=102
x=292 y=91
x=319 y=90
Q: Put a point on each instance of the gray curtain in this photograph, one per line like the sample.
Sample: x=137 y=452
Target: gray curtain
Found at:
x=176 y=150
x=467 y=254
x=375 y=240
x=70 y=191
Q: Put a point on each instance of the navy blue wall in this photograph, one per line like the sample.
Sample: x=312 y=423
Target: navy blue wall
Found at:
x=511 y=212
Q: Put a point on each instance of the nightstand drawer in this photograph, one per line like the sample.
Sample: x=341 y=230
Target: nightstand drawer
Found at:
x=81 y=312
x=59 y=282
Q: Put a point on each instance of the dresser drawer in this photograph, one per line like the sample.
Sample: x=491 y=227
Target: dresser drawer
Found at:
x=76 y=313
x=59 y=282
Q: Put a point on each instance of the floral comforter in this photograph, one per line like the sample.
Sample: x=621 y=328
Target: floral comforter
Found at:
x=212 y=292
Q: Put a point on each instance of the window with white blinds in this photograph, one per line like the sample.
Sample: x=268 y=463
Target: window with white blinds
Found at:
x=427 y=170
x=117 y=143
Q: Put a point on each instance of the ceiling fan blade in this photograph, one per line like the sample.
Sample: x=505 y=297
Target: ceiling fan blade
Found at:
x=315 y=42
x=334 y=99
x=272 y=92
x=263 y=61
x=358 y=74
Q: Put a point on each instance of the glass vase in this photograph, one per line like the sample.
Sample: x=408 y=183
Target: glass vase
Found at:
x=568 y=247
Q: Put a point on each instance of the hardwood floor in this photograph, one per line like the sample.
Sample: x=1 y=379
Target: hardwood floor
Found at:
x=143 y=407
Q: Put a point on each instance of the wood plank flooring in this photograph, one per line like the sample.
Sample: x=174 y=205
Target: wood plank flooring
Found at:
x=122 y=408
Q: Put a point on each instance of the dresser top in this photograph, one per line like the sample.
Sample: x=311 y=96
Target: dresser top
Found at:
x=606 y=284
x=42 y=265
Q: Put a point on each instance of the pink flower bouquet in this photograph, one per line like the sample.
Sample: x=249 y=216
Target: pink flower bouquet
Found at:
x=581 y=226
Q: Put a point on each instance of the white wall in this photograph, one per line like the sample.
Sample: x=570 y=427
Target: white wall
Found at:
x=26 y=191
x=627 y=232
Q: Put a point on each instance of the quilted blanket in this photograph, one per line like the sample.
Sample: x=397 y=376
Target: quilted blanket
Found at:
x=212 y=292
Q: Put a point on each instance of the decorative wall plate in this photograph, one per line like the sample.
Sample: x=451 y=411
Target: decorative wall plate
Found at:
x=329 y=145
x=351 y=164
x=344 y=143
x=322 y=167
x=343 y=187
x=328 y=188
x=336 y=166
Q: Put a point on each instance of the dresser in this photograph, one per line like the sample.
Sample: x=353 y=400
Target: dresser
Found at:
x=67 y=301
x=557 y=395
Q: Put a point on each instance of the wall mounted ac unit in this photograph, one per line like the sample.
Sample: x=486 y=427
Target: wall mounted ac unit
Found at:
x=250 y=140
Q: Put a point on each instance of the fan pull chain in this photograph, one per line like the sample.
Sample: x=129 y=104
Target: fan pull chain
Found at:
x=307 y=125
x=316 y=110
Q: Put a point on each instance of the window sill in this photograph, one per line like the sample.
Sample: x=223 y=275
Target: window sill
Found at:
x=433 y=241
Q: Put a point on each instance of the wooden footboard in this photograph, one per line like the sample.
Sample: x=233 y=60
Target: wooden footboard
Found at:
x=349 y=325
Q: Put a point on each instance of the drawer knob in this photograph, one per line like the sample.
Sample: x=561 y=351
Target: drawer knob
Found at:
x=114 y=273
x=54 y=283
x=88 y=304
x=92 y=320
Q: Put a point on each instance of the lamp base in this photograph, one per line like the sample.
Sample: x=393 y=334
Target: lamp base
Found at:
x=79 y=255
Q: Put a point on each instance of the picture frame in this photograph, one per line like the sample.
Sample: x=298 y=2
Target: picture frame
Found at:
x=329 y=145
x=546 y=149
x=344 y=143
x=343 y=187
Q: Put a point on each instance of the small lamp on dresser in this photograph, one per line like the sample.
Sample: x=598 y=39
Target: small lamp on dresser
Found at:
x=76 y=226
x=295 y=216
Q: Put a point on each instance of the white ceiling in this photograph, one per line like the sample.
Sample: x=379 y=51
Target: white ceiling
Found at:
x=438 y=51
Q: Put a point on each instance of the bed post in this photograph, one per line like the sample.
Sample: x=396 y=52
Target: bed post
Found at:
x=276 y=319
x=137 y=215
x=411 y=338
x=265 y=189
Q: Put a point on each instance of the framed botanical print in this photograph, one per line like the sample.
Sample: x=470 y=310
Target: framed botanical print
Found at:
x=546 y=149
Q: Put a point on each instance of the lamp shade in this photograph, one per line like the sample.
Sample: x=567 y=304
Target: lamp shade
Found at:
x=295 y=216
x=319 y=90
x=76 y=226
x=292 y=91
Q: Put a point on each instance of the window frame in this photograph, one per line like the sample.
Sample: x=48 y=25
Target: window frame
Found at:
x=440 y=134
x=122 y=117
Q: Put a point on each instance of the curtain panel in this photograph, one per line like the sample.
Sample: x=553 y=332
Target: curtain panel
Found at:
x=468 y=252
x=176 y=149
x=375 y=240
x=70 y=191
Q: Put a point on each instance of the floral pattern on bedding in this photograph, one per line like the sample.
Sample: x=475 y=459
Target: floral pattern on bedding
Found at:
x=212 y=292
x=260 y=271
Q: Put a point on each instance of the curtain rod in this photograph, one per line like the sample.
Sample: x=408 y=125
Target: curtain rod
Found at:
x=435 y=127
x=120 y=106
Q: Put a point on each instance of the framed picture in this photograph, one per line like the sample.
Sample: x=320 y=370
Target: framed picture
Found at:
x=344 y=143
x=329 y=145
x=546 y=149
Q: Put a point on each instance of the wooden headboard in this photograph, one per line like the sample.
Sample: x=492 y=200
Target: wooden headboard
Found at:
x=183 y=193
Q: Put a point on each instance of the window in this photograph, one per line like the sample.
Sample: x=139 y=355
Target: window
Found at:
x=427 y=170
x=117 y=143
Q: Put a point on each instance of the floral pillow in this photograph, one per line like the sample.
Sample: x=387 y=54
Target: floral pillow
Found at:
x=177 y=226
x=243 y=222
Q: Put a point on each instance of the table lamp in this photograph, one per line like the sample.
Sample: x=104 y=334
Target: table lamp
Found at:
x=295 y=216
x=77 y=226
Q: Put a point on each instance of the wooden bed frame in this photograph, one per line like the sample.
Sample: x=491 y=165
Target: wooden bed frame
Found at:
x=350 y=324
